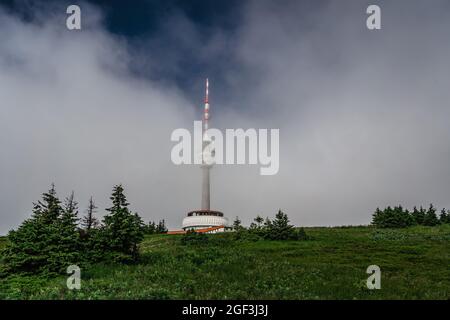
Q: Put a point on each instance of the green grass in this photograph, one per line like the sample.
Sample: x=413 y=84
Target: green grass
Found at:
x=414 y=264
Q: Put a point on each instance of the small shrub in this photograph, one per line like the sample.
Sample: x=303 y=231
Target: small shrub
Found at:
x=301 y=234
x=248 y=235
x=279 y=228
x=195 y=238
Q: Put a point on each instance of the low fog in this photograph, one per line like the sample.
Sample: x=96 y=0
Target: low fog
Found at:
x=363 y=115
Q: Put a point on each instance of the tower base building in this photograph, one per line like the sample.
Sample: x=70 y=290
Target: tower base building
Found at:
x=205 y=219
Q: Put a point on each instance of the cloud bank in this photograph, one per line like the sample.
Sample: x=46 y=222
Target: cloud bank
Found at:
x=363 y=115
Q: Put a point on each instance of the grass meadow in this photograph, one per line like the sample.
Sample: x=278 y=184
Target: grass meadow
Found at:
x=414 y=262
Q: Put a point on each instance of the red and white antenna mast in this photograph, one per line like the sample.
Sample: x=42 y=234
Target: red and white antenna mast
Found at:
x=206 y=110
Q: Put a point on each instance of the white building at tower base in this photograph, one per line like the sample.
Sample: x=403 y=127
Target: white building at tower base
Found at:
x=202 y=219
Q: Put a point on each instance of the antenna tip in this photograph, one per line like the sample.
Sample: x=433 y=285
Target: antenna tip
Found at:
x=206 y=95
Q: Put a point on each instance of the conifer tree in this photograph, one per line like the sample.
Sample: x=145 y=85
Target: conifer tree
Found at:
x=431 y=218
x=444 y=217
x=259 y=220
x=49 y=209
x=161 y=228
x=257 y=226
x=69 y=214
x=237 y=224
x=378 y=218
x=45 y=243
x=280 y=227
x=418 y=215
x=70 y=205
x=122 y=230
x=89 y=221
x=69 y=243
x=267 y=223
x=151 y=228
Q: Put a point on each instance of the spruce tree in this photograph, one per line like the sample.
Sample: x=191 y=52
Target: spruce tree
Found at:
x=68 y=231
x=431 y=218
x=69 y=214
x=161 y=228
x=45 y=243
x=89 y=221
x=267 y=223
x=49 y=209
x=237 y=224
x=444 y=216
x=280 y=228
x=70 y=205
x=378 y=218
x=151 y=228
x=257 y=226
x=402 y=218
x=418 y=215
x=259 y=220
x=122 y=230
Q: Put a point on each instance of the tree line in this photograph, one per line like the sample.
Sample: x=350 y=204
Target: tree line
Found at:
x=156 y=228
x=398 y=217
x=54 y=237
x=261 y=229
x=277 y=229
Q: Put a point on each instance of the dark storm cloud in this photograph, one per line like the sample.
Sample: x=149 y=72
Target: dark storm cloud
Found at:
x=363 y=115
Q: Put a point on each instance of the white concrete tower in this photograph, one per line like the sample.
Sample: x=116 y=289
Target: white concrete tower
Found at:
x=205 y=219
x=206 y=164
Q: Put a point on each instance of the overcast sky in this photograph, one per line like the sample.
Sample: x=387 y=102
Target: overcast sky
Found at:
x=363 y=115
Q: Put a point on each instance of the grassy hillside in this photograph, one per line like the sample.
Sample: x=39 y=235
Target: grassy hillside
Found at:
x=414 y=264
